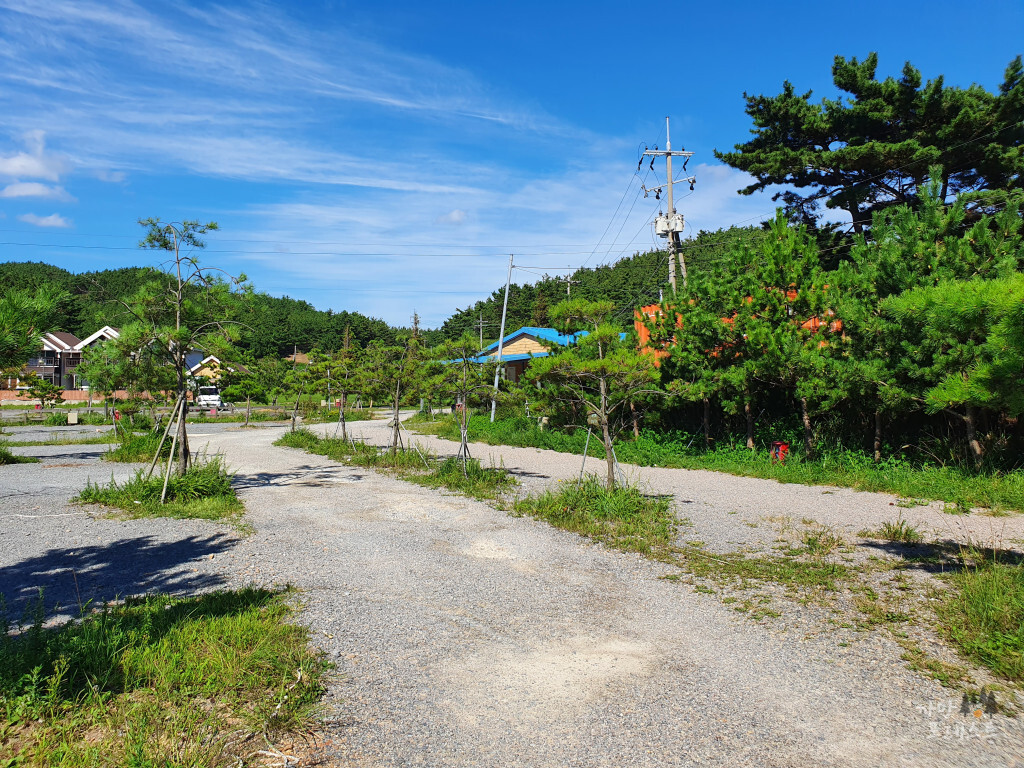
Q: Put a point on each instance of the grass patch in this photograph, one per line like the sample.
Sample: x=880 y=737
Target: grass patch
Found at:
x=983 y=614
x=949 y=675
x=238 y=415
x=900 y=532
x=104 y=438
x=960 y=488
x=87 y=418
x=203 y=492
x=6 y=457
x=474 y=480
x=791 y=570
x=138 y=448
x=413 y=465
x=623 y=518
x=158 y=681
x=314 y=416
x=356 y=453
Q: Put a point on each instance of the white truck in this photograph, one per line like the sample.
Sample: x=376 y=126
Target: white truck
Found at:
x=209 y=397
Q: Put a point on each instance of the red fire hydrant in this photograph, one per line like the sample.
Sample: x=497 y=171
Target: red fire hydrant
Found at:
x=780 y=449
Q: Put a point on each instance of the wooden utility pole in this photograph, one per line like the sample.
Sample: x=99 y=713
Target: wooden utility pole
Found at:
x=671 y=224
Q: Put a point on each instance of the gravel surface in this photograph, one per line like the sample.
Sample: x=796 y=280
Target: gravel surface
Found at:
x=75 y=553
x=729 y=513
x=465 y=637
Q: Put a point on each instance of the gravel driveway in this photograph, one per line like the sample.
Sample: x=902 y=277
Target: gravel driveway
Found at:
x=464 y=637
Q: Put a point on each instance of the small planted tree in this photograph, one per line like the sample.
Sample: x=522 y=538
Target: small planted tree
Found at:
x=394 y=373
x=241 y=382
x=602 y=372
x=188 y=308
x=46 y=392
x=336 y=373
x=462 y=377
x=298 y=381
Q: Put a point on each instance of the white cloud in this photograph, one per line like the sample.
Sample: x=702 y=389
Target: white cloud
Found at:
x=34 y=164
x=111 y=177
x=35 y=189
x=456 y=216
x=53 y=220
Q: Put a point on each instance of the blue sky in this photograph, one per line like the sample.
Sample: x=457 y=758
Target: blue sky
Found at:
x=387 y=157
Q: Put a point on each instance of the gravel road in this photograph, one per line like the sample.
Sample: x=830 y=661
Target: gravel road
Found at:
x=464 y=637
x=729 y=513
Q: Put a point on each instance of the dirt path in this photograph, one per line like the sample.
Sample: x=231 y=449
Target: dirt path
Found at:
x=465 y=637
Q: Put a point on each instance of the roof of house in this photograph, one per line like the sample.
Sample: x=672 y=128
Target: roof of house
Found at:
x=60 y=341
x=103 y=334
x=541 y=334
x=196 y=360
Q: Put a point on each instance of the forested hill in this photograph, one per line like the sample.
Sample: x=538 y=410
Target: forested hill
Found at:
x=278 y=324
x=281 y=324
x=628 y=283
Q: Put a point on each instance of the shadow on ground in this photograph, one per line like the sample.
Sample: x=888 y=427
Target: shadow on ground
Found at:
x=304 y=475
x=73 y=576
x=944 y=555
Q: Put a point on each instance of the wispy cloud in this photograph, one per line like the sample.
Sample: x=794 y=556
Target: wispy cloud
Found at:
x=35 y=189
x=241 y=93
x=354 y=173
x=386 y=253
x=53 y=220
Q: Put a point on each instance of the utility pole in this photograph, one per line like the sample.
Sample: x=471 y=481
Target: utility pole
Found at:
x=569 y=282
x=670 y=224
x=501 y=339
x=481 y=325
